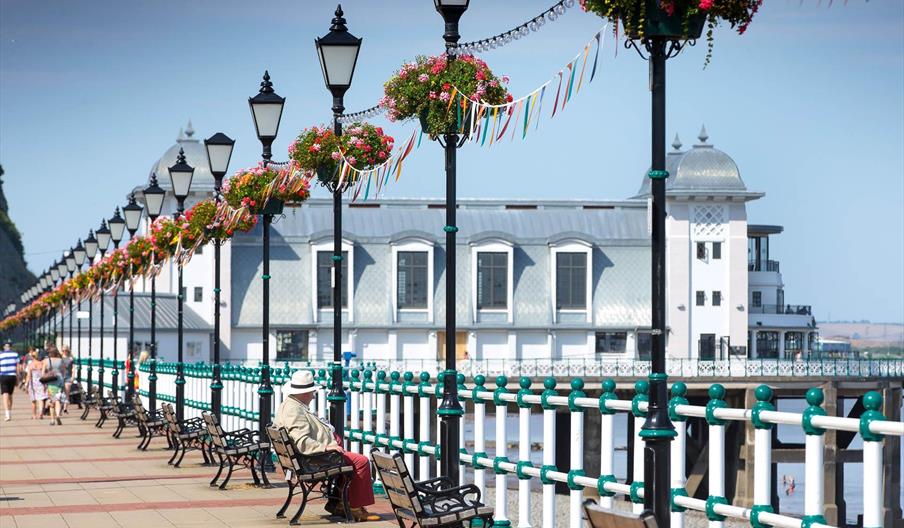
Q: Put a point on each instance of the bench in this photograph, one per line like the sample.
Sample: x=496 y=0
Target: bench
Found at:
x=429 y=503
x=241 y=447
x=149 y=427
x=329 y=473
x=91 y=401
x=187 y=434
x=125 y=416
x=605 y=518
x=105 y=406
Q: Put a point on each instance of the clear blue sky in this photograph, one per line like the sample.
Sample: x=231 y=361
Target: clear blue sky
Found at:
x=810 y=103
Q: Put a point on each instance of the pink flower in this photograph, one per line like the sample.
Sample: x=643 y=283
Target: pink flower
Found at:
x=315 y=147
x=335 y=155
x=433 y=95
x=352 y=160
x=505 y=79
x=480 y=75
x=381 y=154
x=444 y=96
x=423 y=77
x=706 y=5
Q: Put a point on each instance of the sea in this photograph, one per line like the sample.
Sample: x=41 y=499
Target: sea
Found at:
x=790 y=501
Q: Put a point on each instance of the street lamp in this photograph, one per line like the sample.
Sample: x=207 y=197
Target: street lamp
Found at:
x=338 y=52
x=450 y=410
x=54 y=277
x=219 y=153
x=103 y=242
x=180 y=176
x=132 y=212
x=117 y=227
x=153 y=201
x=61 y=271
x=266 y=108
x=90 y=252
x=79 y=254
x=70 y=268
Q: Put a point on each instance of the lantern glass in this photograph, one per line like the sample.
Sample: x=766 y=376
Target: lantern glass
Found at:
x=90 y=246
x=103 y=237
x=62 y=269
x=266 y=118
x=70 y=262
x=117 y=227
x=132 y=212
x=54 y=273
x=338 y=63
x=180 y=176
x=79 y=253
x=153 y=198
x=219 y=153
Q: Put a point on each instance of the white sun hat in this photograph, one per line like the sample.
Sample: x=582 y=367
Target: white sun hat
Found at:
x=302 y=382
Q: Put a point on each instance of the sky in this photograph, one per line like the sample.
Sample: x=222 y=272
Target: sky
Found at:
x=809 y=103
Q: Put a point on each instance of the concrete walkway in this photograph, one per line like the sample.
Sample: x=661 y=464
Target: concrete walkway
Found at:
x=77 y=476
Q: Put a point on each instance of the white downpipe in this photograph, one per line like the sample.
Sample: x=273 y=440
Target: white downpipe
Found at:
x=637 y=461
x=575 y=506
x=524 y=455
x=368 y=405
x=355 y=397
x=501 y=512
x=814 y=471
x=873 y=494
x=678 y=480
x=716 y=471
x=549 y=459
x=480 y=416
x=408 y=403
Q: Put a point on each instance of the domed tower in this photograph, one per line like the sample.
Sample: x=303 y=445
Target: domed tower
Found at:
x=706 y=252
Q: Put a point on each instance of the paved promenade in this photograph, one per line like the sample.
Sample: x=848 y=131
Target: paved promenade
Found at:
x=77 y=476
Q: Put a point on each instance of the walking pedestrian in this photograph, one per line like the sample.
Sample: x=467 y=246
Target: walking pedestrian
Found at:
x=52 y=377
x=9 y=360
x=37 y=392
x=66 y=371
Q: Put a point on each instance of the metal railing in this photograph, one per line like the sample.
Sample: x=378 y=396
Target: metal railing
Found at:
x=782 y=309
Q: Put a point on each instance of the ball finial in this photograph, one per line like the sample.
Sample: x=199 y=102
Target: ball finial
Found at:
x=716 y=391
x=608 y=385
x=815 y=396
x=549 y=383
x=641 y=386
x=872 y=400
x=679 y=389
x=524 y=382
x=577 y=384
x=763 y=393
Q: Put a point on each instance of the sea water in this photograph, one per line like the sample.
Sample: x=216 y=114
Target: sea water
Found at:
x=790 y=501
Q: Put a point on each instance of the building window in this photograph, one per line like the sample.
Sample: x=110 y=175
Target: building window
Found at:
x=717 y=250
x=757 y=299
x=412 y=279
x=291 y=345
x=701 y=298
x=717 y=298
x=707 y=346
x=571 y=281
x=644 y=345
x=199 y=294
x=492 y=280
x=780 y=299
x=611 y=342
x=701 y=250
x=325 y=279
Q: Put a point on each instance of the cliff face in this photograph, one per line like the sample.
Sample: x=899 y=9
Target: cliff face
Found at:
x=14 y=275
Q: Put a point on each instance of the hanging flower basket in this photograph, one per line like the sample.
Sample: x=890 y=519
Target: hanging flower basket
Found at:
x=274 y=206
x=319 y=151
x=674 y=19
x=431 y=89
x=264 y=190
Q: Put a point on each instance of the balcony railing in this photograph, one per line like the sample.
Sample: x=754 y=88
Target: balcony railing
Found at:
x=782 y=309
x=768 y=265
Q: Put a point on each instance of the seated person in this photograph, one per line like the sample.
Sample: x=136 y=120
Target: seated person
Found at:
x=313 y=435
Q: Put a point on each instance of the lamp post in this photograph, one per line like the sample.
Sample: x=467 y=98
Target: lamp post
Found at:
x=103 y=242
x=70 y=268
x=450 y=410
x=338 y=51
x=79 y=253
x=90 y=252
x=153 y=201
x=54 y=277
x=132 y=212
x=180 y=176
x=219 y=152
x=117 y=228
x=266 y=109
x=62 y=270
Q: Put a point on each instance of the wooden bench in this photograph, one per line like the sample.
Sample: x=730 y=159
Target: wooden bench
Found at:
x=187 y=434
x=125 y=416
x=149 y=427
x=241 y=447
x=105 y=406
x=328 y=474
x=605 y=518
x=430 y=503
x=90 y=401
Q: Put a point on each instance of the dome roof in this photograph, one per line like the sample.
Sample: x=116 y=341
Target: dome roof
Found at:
x=702 y=169
x=195 y=155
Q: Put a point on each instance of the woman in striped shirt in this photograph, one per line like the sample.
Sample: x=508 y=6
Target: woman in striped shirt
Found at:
x=9 y=359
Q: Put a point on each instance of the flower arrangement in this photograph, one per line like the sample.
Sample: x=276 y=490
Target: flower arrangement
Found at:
x=251 y=189
x=675 y=18
x=318 y=149
x=166 y=236
x=424 y=89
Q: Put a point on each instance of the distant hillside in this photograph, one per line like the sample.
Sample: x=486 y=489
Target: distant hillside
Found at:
x=14 y=275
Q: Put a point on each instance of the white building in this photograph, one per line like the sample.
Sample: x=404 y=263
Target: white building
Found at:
x=537 y=278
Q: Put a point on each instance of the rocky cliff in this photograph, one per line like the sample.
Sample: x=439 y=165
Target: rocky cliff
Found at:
x=14 y=275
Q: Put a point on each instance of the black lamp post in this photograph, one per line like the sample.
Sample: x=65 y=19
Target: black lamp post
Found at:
x=70 y=268
x=266 y=108
x=132 y=212
x=54 y=277
x=153 y=200
x=338 y=51
x=62 y=270
x=180 y=176
x=90 y=252
x=103 y=242
x=219 y=152
x=79 y=253
x=117 y=228
x=450 y=410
